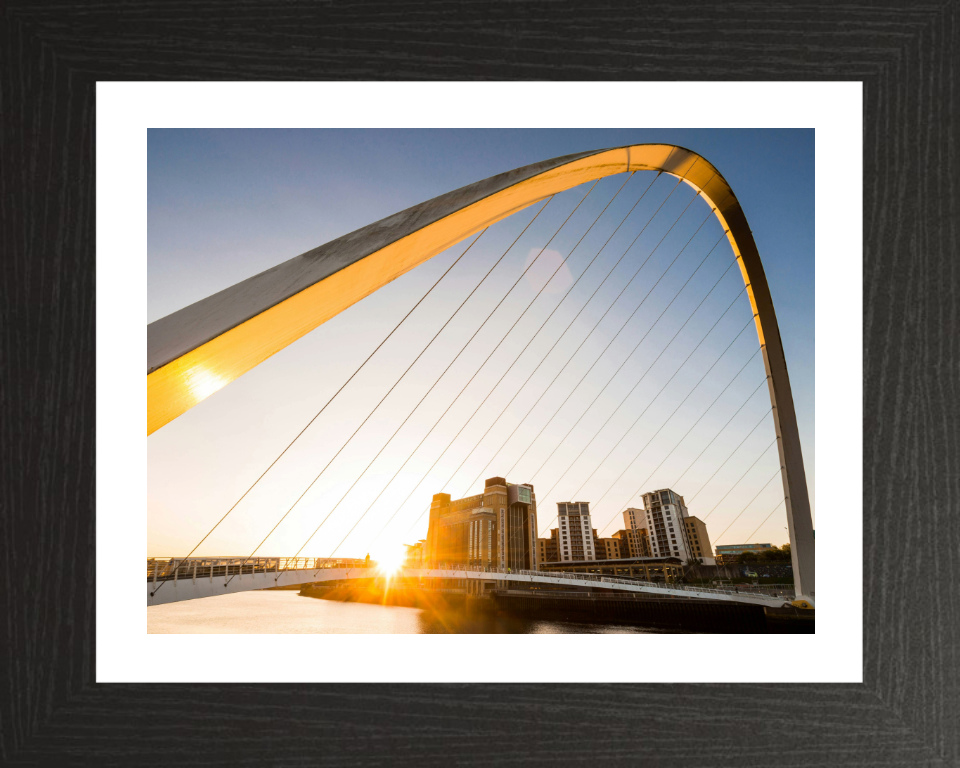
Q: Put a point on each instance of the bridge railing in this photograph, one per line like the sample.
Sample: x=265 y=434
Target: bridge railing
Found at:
x=592 y=578
x=174 y=568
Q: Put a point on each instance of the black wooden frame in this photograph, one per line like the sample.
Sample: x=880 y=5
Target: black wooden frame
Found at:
x=907 y=711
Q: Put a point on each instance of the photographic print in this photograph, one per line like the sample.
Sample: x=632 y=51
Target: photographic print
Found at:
x=516 y=381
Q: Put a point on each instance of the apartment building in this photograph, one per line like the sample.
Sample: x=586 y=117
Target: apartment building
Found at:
x=633 y=542
x=664 y=513
x=608 y=549
x=575 y=533
x=699 y=540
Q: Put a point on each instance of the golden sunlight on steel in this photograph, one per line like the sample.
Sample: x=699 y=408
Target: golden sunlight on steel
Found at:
x=203 y=383
x=183 y=382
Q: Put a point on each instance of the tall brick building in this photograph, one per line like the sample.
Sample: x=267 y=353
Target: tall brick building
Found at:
x=497 y=528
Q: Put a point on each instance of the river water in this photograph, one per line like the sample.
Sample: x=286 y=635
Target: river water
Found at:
x=286 y=612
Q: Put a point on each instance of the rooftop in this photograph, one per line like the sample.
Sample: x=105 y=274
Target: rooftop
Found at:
x=619 y=561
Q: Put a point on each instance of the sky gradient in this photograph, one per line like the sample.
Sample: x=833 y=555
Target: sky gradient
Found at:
x=225 y=205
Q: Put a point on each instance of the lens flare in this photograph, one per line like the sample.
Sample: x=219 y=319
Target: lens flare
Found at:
x=391 y=559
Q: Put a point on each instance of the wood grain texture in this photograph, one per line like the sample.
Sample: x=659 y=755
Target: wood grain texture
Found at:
x=907 y=711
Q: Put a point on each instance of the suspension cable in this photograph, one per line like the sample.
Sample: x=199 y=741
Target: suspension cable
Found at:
x=720 y=432
x=662 y=389
x=673 y=413
x=477 y=372
x=461 y=350
x=772 y=478
x=647 y=444
x=637 y=383
x=598 y=358
x=731 y=454
x=687 y=433
x=333 y=397
x=520 y=355
x=570 y=358
x=762 y=454
x=559 y=339
x=705 y=413
x=409 y=367
x=780 y=504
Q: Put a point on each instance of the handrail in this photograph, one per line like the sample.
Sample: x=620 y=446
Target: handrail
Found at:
x=599 y=578
x=165 y=568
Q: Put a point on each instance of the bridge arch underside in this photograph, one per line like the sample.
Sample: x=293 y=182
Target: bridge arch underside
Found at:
x=201 y=348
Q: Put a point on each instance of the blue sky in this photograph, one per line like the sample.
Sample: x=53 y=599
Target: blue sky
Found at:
x=225 y=205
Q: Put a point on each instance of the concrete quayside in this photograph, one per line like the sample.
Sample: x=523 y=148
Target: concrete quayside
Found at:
x=587 y=606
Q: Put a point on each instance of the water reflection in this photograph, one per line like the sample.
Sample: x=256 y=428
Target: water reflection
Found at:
x=286 y=612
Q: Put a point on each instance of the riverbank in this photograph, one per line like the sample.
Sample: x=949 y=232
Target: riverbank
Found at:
x=581 y=608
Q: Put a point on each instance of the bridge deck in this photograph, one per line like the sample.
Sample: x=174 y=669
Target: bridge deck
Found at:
x=190 y=579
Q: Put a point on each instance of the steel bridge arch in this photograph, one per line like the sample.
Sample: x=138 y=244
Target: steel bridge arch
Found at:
x=199 y=349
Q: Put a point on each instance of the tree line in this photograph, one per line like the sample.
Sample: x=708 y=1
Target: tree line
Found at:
x=772 y=555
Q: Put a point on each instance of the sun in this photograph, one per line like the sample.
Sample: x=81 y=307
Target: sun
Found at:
x=391 y=559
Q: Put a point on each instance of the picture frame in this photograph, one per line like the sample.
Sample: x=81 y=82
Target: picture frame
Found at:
x=904 y=713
